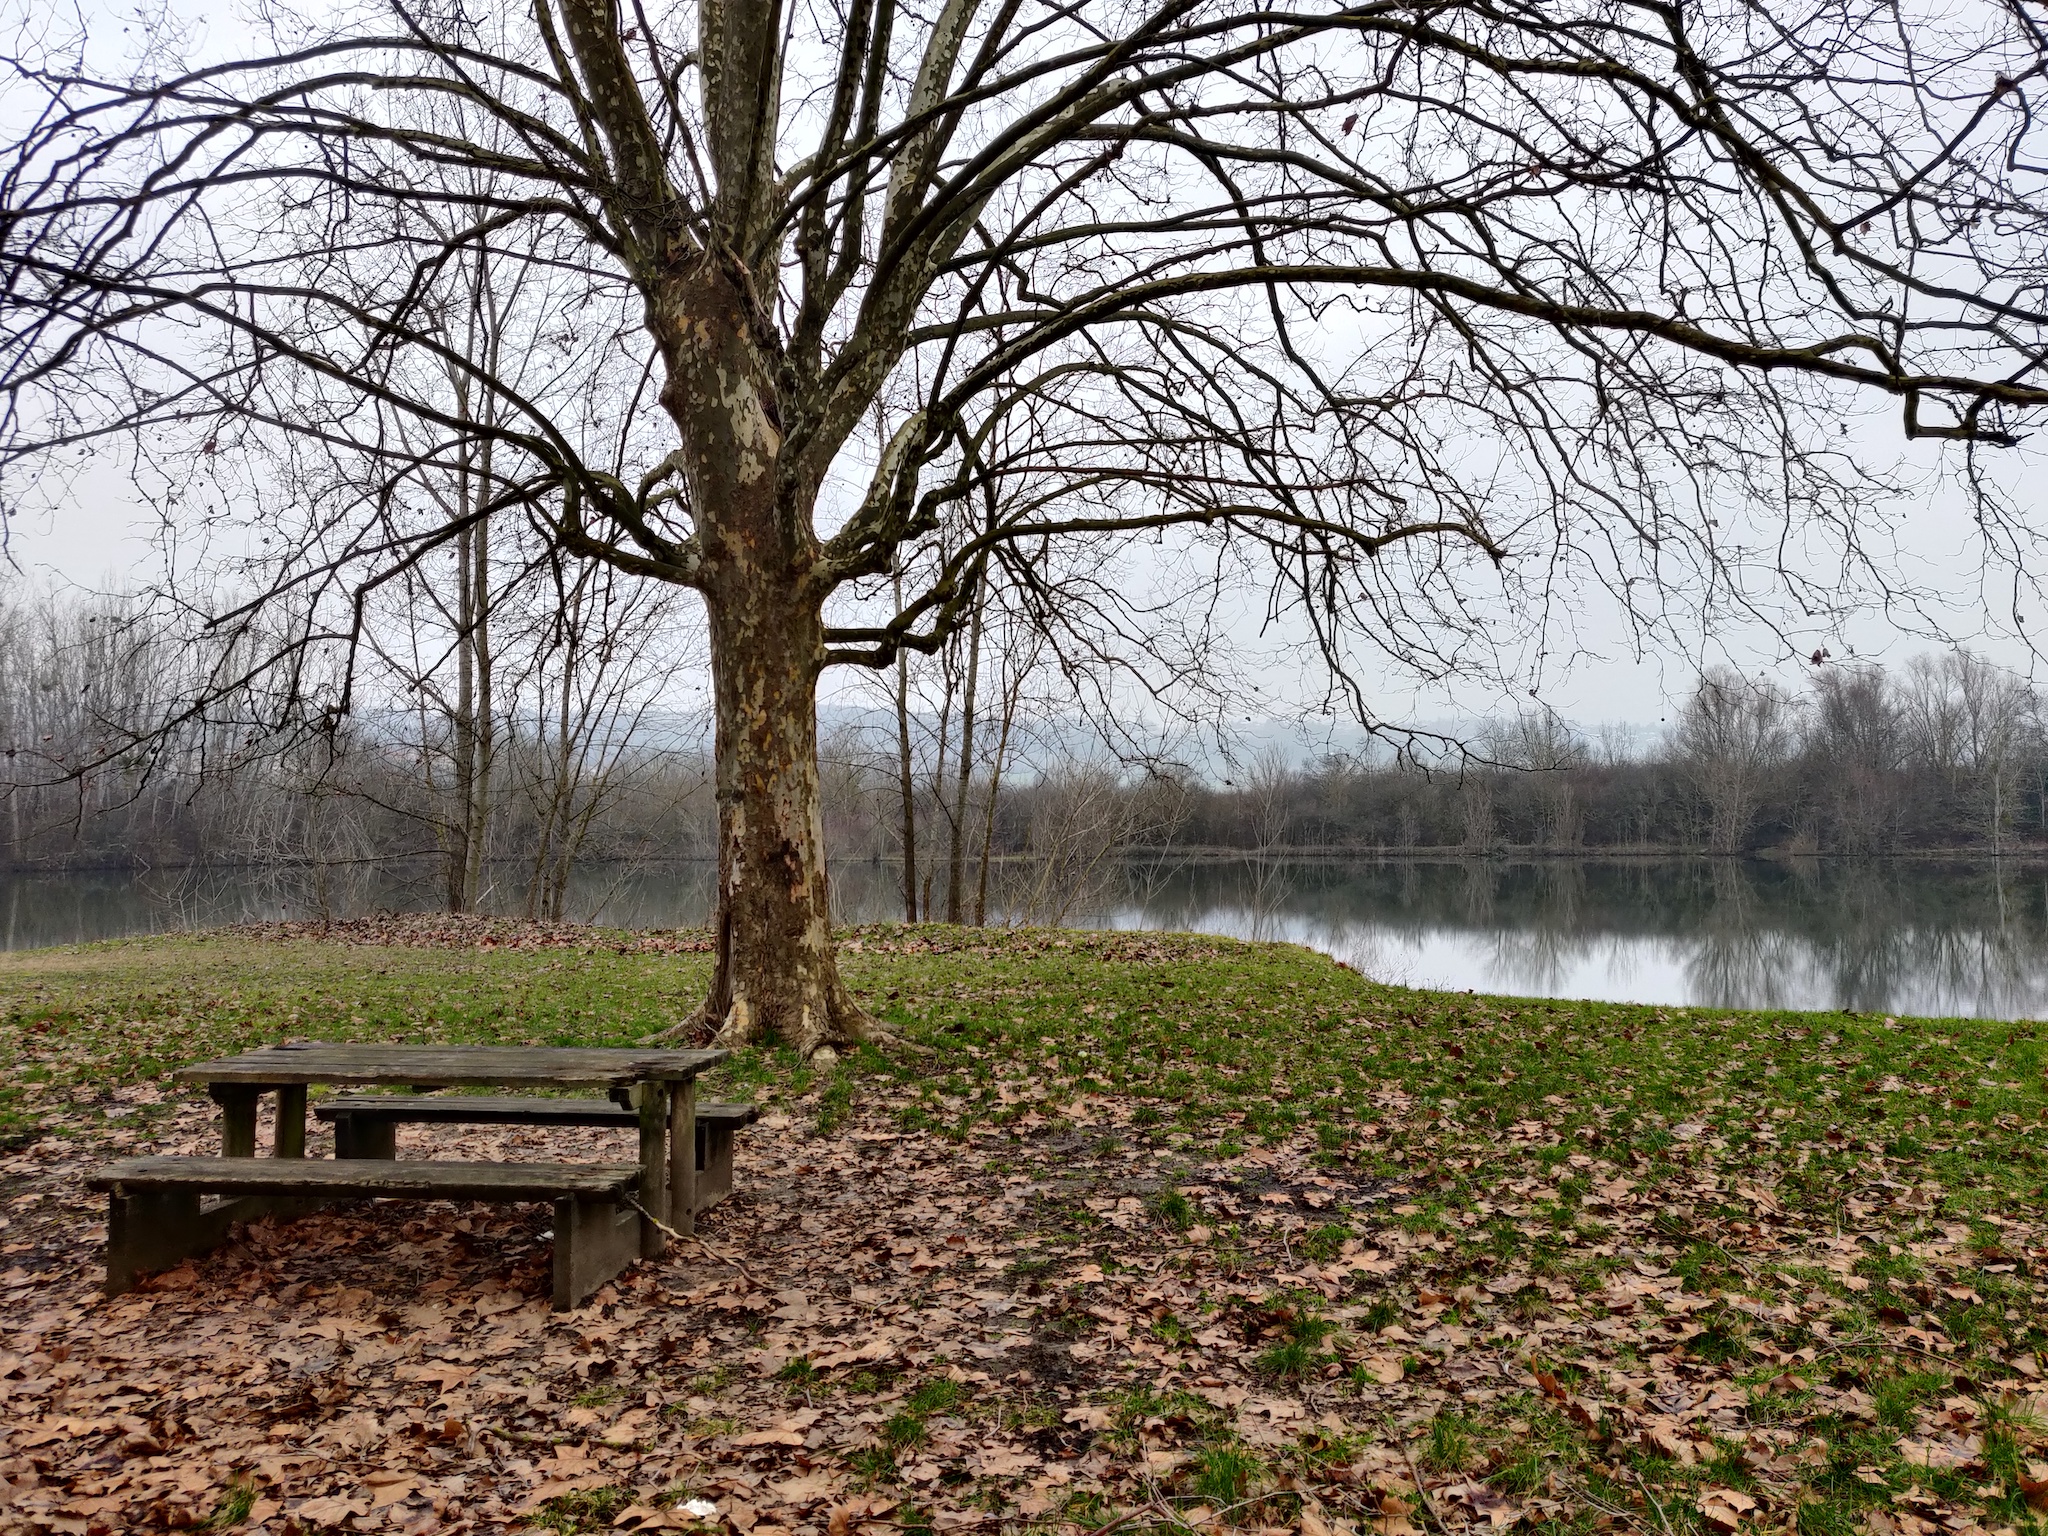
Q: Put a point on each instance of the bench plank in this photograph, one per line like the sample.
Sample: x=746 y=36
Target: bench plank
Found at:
x=155 y=1219
x=481 y=1109
x=365 y=1126
x=367 y=1178
x=453 y=1066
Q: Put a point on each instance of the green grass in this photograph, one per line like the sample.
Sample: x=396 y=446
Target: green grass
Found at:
x=1223 y=1475
x=1301 y=1333
x=1176 y=1210
x=1226 y=1043
x=1448 y=1445
x=236 y=1500
x=1490 y=1129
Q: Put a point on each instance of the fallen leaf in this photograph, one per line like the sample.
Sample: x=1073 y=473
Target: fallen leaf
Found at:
x=330 y=1511
x=1723 y=1508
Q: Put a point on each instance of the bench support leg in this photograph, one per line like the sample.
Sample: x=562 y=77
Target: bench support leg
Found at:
x=683 y=1196
x=237 y=1118
x=714 y=1164
x=651 y=1101
x=288 y=1136
x=364 y=1136
x=159 y=1229
x=594 y=1240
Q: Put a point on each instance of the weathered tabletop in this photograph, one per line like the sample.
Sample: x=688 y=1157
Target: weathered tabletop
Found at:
x=452 y=1066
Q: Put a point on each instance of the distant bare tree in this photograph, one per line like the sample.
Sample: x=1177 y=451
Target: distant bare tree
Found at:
x=1731 y=737
x=1267 y=789
x=592 y=670
x=1970 y=721
x=1540 y=743
x=1081 y=822
x=1475 y=805
x=1852 y=727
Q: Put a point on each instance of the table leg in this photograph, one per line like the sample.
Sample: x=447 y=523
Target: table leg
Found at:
x=237 y=1103
x=288 y=1138
x=682 y=1158
x=651 y=1100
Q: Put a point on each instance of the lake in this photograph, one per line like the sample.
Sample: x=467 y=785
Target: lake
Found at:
x=1875 y=936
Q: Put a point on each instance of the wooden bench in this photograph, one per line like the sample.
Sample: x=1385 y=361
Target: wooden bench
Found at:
x=155 y=1218
x=366 y=1125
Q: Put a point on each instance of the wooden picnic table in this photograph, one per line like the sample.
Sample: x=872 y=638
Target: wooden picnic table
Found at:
x=659 y=1085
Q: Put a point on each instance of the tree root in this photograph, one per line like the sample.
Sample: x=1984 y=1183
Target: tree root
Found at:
x=824 y=1028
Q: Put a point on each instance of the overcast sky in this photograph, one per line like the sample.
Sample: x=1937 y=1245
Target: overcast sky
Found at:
x=105 y=539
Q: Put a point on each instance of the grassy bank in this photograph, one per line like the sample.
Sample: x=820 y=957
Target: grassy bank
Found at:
x=1469 y=1261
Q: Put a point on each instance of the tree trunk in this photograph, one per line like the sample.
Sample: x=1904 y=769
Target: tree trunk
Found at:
x=906 y=782
x=956 y=874
x=483 y=743
x=463 y=770
x=764 y=585
x=776 y=975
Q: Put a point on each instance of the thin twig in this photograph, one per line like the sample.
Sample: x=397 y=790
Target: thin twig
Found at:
x=1427 y=1505
x=687 y=1237
x=1651 y=1500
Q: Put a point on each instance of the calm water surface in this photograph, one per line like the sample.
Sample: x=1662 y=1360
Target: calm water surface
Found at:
x=1875 y=936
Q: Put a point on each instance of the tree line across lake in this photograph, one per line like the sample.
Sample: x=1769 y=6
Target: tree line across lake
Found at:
x=1947 y=752
x=569 y=757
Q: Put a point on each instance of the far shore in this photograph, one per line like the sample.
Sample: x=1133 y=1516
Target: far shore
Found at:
x=2029 y=854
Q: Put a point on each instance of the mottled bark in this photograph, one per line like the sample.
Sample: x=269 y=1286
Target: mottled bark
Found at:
x=764 y=582
x=776 y=977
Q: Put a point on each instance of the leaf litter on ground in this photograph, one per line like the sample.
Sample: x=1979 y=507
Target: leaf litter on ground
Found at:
x=1164 y=1231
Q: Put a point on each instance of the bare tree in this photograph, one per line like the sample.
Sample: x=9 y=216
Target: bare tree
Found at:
x=1540 y=743
x=1475 y=800
x=1731 y=738
x=906 y=776
x=591 y=673
x=1019 y=650
x=1081 y=821
x=1362 y=304
x=1970 y=721
x=1852 y=727
x=1266 y=788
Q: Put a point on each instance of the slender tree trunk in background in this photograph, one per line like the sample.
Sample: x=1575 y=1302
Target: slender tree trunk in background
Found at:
x=467 y=819
x=482 y=729
x=939 y=800
x=905 y=777
x=462 y=768
x=956 y=873
x=564 y=772
x=1013 y=687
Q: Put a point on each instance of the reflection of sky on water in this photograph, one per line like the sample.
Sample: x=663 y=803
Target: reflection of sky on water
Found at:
x=1786 y=973
x=1910 y=939
x=1875 y=936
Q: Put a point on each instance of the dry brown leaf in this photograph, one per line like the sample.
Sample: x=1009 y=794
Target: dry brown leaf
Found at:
x=1724 y=1508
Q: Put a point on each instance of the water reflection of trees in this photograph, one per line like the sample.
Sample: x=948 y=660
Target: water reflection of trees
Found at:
x=1863 y=935
x=1738 y=957
x=1546 y=950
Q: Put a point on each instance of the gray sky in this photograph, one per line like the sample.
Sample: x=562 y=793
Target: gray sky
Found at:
x=105 y=539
